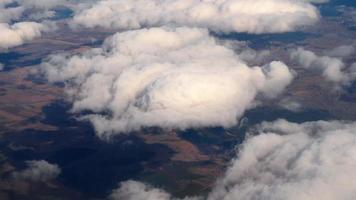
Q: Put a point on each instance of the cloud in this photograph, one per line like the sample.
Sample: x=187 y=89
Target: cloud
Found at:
x=332 y=68
x=138 y=191
x=317 y=1
x=19 y=33
x=290 y=104
x=353 y=71
x=43 y=4
x=342 y=51
x=258 y=16
x=36 y=7
x=2 y=66
x=245 y=53
x=293 y=161
x=133 y=190
x=7 y=14
x=284 y=161
x=14 y=32
x=348 y=16
x=166 y=77
x=38 y=170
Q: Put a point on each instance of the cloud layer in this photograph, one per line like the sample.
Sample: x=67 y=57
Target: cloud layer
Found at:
x=19 y=33
x=171 y=78
x=16 y=29
x=257 y=16
x=331 y=68
x=133 y=190
x=14 y=32
x=294 y=161
x=38 y=170
x=286 y=161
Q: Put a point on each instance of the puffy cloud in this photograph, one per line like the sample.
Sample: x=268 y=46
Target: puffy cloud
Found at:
x=19 y=33
x=13 y=32
x=165 y=77
x=293 y=161
x=245 y=53
x=342 y=51
x=9 y=14
x=133 y=190
x=290 y=104
x=252 y=16
x=278 y=76
x=317 y=1
x=38 y=170
x=289 y=161
x=353 y=71
x=43 y=4
x=331 y=68
x=42 y=9
x=37 y=7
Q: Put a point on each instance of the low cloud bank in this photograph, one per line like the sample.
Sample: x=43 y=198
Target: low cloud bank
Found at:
x=15 y=29
x=19 y=33
x=258 y=16
x=293 y=161
x=166 y=77
x=38 y=170
x=285 y=161
x=333 y=69
x=133 y=190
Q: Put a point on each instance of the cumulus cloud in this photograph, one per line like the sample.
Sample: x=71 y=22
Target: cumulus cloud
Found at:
x=7 y=14
x=36 y=7
x=165 y=77
x=245 y=53
x=19 y=33
x=258 y=16
x=42 y=4
x=353 y=71
x=284 y=161
x=317 y=1
x=342 y=51
x=332 y=68
x=14 y=32
x=38 y=170
x=133 y=190
x=290 y=104
x=293 y=161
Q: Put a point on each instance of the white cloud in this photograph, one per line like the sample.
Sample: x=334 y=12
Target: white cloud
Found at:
x=9 y=14
x=38 y=170
x=43 y=4
x=317 y=1
x=285 y=161
x=245 y=53
x=133 y=190
x=258 y=16
x=290 y=104
x=294 y=161
x=331 y=68
x=171 y=78
x=2 y=66
x=13 y=32
x=36 y=7
x=19 y=33
x=353 y=71
x=278 y=76
x=342 y=51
